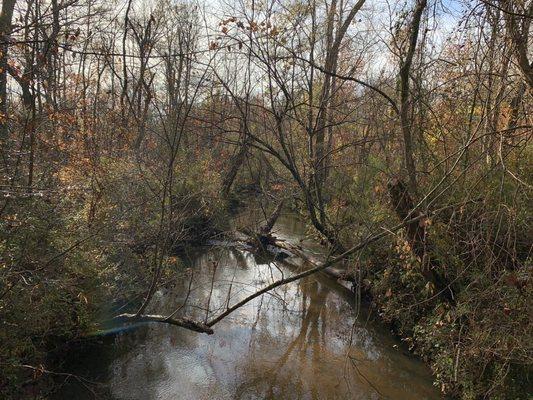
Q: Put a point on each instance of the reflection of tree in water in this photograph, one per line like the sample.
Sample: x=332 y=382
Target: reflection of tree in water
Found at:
x=285 y=378
x=243 y=259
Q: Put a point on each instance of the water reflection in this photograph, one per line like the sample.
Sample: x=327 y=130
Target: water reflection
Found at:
x=299 y=342
x=275 y=378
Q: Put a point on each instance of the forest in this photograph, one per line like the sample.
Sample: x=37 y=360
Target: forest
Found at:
x=266 y=199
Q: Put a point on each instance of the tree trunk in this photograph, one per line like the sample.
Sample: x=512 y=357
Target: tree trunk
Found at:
x=517 y=23
x=236 y=163
x=416 y=235
x=5 y=31
x=405 y=103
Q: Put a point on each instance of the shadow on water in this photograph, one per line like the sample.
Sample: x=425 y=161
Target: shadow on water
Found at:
x=302 y=341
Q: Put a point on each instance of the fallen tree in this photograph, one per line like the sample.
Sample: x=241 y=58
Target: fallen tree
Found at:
x=207 y=326
x=187 y=323
x=264 y=240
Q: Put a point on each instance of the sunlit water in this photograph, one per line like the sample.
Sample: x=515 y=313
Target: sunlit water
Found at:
x=302 y=341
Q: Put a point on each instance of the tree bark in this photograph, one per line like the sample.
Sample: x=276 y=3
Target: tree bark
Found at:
x=5 y=31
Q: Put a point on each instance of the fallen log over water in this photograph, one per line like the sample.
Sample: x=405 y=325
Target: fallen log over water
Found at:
x=320 y=267
x=335 y=273
x=264 y=241
x=183 y=322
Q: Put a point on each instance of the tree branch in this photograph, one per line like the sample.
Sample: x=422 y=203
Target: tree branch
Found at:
x=182 y=322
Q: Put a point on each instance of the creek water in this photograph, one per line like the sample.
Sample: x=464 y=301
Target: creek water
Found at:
x=303 y=340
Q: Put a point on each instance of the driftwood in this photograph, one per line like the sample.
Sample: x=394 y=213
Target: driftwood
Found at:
x=264 y=241
x=263 y=238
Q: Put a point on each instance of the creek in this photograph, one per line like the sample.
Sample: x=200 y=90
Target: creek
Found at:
x=303 y=340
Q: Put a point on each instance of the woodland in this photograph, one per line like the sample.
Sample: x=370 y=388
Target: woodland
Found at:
x=398 y=131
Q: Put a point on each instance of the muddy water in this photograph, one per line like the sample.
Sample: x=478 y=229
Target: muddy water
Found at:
x=302 y=341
